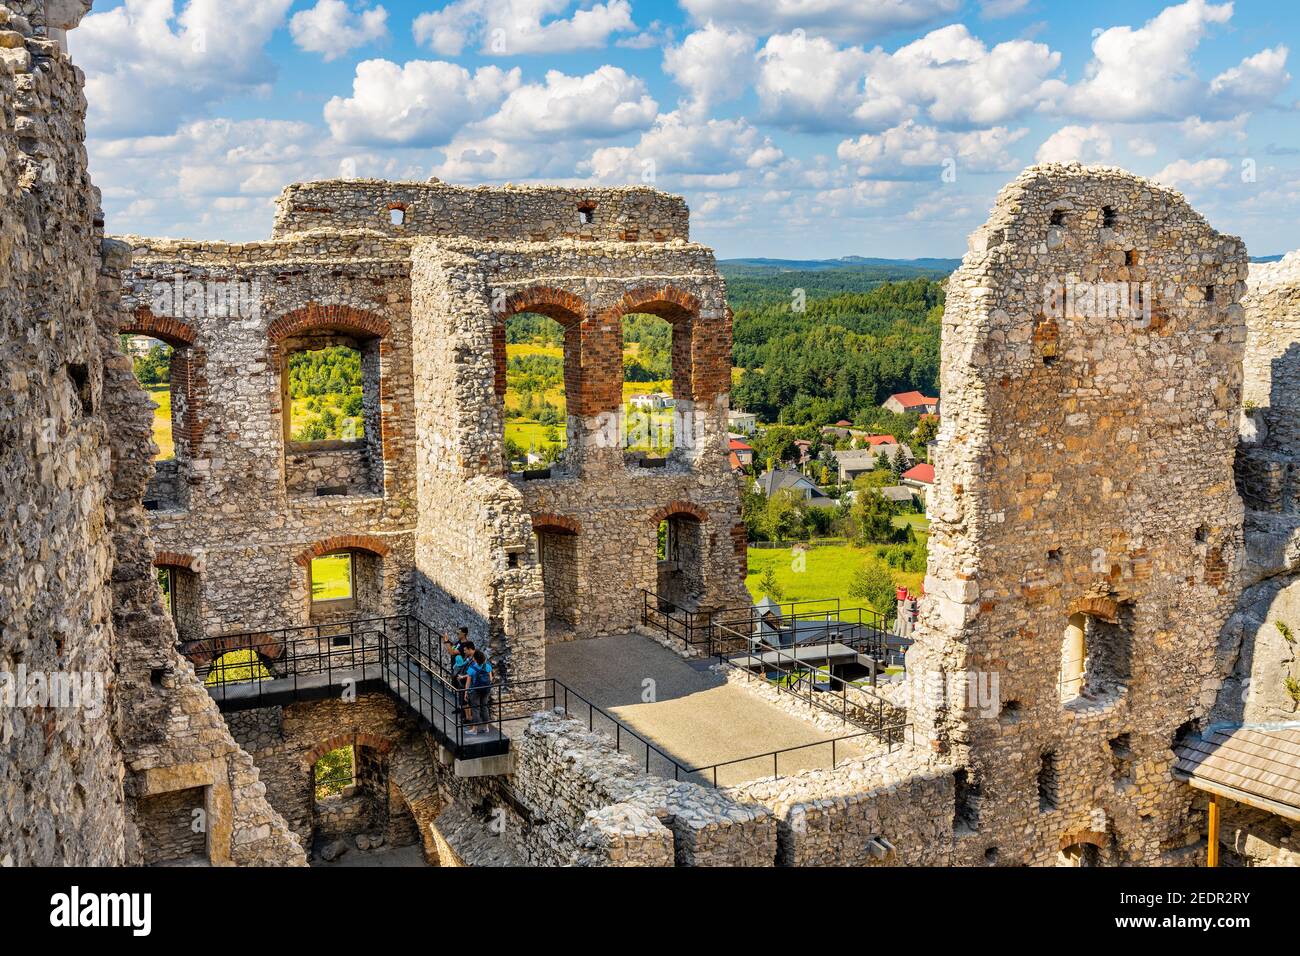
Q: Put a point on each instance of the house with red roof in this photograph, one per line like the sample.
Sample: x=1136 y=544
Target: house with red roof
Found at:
x=741 y=455
x=902 y=402
x=921 y=475
x=921 y=478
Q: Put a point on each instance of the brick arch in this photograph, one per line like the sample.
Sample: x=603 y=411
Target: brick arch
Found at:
x=378 y=744
x=701 y=362
x=546 y=521
x=187 y=376
x=164 y=328
x=343 y=542
x=559 y=304
x=580 y=344
x=666 y=301
x=174 y=559
x=1092 y=837
x=331 y=318
x=680 y=509
x=1099 y=606
x=204 y=651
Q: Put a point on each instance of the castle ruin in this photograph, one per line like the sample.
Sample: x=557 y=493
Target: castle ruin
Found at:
x=1114 y=535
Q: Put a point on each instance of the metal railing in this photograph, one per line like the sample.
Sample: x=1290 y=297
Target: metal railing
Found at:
x=802 y=622
x=651 y=756
x=408 y=657
x=399 y=652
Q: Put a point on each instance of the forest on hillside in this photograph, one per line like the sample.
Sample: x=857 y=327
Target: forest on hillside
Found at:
x=841 y=356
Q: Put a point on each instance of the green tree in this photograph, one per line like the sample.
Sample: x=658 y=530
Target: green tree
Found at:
x=768 y=584
x=927 y=430
x=784 y=518
x=874 y=583
x=873 y=518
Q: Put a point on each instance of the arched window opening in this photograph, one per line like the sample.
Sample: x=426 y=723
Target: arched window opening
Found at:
x=680 y=568
x=335 y=773
x=1079 y=854
x=351 y=795
x=345 y=584
x=331 y=408
x=536 y=399
x=151 y=361
x=648 y=402
x=234 y=667
x=1096 y=657
x=163 y=369
x=179 y=588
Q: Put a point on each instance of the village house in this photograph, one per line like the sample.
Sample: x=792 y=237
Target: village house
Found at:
x=742 y=455
x=740 y=421
x=903 y=402
x=770 y=482
x=858 y=461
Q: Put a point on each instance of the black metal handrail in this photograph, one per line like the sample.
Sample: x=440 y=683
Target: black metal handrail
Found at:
x=408 y=657
x=806 y=682
x=862 y=629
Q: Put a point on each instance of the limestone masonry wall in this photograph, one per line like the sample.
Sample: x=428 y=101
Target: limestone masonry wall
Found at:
x=450 y=535
x=1084 y=509
x=103 y=778
x=536 y=213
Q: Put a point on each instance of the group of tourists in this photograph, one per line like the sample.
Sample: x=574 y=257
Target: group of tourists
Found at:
x=473 y=675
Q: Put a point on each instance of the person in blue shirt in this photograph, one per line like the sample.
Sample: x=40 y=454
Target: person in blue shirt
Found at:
x=479 y=678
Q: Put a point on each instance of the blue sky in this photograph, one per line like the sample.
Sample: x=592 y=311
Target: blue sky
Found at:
x=795 y=128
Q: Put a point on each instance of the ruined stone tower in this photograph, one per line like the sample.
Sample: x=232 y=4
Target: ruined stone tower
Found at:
x=1087 y=533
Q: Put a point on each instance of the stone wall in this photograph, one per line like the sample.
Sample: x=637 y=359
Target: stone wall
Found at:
x=1092 y=346
x=574 y=801
x=476 y=559
x=81 y=784
x=396 y=794
x=61 y=798
x=538 y=213
x=252 y=504
x=457 y=531
x=1257 y=647
x=885 y=810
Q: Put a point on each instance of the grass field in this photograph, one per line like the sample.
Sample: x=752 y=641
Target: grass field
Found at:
x=826 y=572
x=161 y=396
x=331 y=577
x=236 y=666
x=528 y=433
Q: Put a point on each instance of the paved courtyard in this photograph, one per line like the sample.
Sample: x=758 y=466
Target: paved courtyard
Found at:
x=685 y=710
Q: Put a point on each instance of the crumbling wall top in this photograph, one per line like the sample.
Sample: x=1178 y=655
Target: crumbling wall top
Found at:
x=537 y=213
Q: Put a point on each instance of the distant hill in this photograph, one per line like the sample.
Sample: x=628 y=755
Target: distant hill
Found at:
x=753 y=283
x=1265 y=258
x=904 y=266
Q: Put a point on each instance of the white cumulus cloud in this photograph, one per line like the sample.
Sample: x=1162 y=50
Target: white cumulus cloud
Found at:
x=421 y=103
x=331 y=28
x=948 y=77
x=1147 y=73
x=1198 y=174
x=149 y=65
x=1076 y=144
x=714 y=64
x=603 y=103
x=913 y=151
x=511 y=27
x=844 y=19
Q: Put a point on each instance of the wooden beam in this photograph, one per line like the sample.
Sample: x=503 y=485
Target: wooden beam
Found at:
x=1212 y=849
